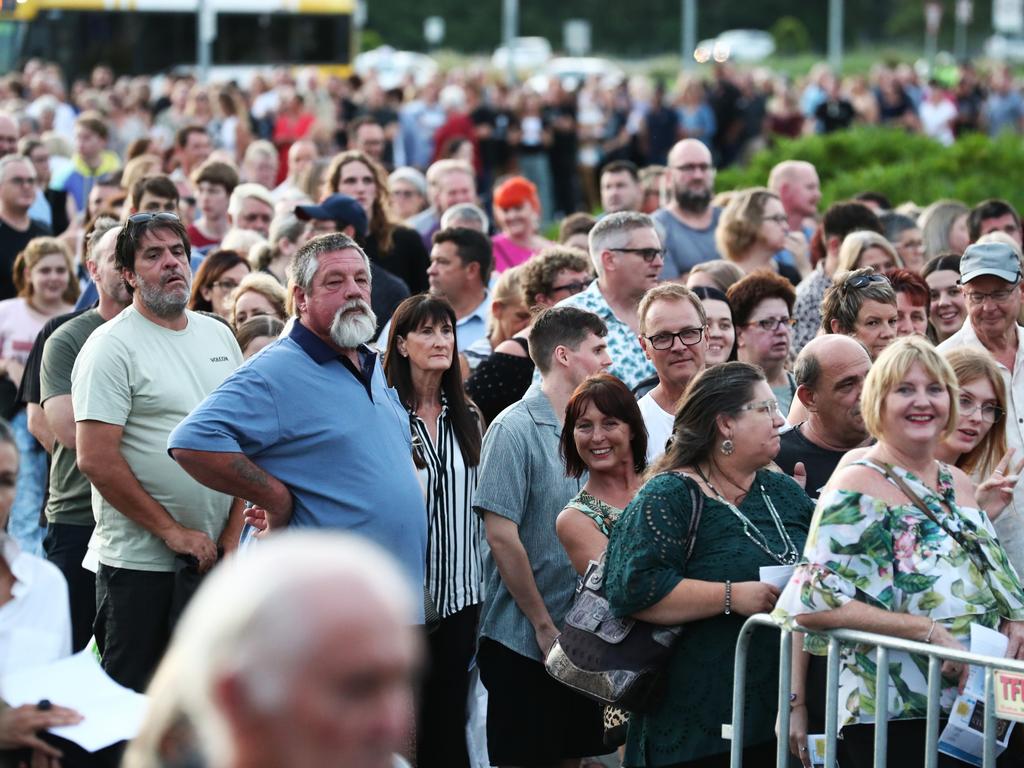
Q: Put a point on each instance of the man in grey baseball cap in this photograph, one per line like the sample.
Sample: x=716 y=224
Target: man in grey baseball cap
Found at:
x=990 y=274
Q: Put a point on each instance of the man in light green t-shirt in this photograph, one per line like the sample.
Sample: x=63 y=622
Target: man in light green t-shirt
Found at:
x=137 y=376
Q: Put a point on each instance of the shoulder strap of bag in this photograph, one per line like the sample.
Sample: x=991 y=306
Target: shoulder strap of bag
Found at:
x=918 y=502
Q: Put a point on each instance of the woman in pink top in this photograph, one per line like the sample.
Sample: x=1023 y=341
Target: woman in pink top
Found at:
x=517 y=212
x=43 y=276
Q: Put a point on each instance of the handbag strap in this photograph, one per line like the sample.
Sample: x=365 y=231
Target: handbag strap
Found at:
x=918 y=502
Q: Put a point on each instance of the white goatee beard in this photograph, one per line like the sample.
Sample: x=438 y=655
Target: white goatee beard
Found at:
x=349 y=331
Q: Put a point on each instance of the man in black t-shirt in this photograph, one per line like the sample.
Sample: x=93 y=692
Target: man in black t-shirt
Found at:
x=17 y=193
x=830 y=374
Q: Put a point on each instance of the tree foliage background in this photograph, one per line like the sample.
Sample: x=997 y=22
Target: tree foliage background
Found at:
x=645 y=27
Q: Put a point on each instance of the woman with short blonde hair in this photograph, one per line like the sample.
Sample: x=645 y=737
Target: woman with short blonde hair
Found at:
x=867 y=249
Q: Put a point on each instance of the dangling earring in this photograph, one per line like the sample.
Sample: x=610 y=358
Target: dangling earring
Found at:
x=728 y=447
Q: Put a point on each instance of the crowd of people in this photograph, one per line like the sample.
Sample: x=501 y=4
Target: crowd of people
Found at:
x=228 y=315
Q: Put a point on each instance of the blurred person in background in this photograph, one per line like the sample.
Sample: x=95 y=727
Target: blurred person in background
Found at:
x=906 y=237
x=517 y=212
x=948 y=308
x=258 y=294
x=944 y=227
x=256 y=333
x=218 y=276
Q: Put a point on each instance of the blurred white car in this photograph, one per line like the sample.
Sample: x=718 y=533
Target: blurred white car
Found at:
x=742 y=45
x=391 y=68
x=529 y=54
x=573 y=71
x=1005 y=47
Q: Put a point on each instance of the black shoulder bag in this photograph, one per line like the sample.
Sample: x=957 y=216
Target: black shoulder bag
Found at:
x=616 y=661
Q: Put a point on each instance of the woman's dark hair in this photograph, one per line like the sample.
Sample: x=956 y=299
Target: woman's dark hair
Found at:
x=612 y=398
x=209 y=272
x=717 y=391
x=947 y=260
x=411 y=315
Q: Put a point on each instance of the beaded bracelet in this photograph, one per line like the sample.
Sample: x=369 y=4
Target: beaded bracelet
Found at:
x=728 y=597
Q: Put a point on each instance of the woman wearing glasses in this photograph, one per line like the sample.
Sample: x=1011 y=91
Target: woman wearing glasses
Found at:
x=725 y=432
x=215 y=282
x=762 y=303
x=752 y=229
x=861 y=304
x=899 y=546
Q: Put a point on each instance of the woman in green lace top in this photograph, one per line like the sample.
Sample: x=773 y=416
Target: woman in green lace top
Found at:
x=898 y=546
x=724 y=435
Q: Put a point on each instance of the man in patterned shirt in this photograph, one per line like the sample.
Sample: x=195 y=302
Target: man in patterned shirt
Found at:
x=628 y=257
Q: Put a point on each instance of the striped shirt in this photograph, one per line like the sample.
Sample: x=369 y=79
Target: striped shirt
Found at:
x=454 y=573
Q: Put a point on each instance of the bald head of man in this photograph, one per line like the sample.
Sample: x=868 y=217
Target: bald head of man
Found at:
x=692 y=176
x=798 y=187
x=296 y=672
x=830 y=374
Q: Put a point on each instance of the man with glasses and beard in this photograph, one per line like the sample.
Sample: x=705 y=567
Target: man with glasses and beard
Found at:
x=308 y=430
x=687 y=224
x=137 y=376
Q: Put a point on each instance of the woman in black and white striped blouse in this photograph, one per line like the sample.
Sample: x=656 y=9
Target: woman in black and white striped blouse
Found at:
x=422 y=364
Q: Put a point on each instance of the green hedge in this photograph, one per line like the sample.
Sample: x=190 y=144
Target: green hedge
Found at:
x=898 y=165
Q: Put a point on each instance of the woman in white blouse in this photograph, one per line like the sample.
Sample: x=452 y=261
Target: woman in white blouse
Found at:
x=422 y=364
x=35 y=627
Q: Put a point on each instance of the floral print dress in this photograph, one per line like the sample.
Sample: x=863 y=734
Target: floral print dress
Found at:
x=897 y=559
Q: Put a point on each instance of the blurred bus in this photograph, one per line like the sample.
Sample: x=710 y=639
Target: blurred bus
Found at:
x=152 y=36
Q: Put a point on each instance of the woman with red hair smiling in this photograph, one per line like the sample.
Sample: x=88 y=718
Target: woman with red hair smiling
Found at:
x=517 y=212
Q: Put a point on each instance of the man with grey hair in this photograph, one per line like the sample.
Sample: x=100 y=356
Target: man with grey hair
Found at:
x=314 y=668
x=466 y=215
x=450 y=182
x=628 y=257
x=137 y=376
x=309 y=430
x=8 y=134
x=251 y=207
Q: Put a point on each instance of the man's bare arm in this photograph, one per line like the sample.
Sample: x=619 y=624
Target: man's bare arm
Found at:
x=235 y=474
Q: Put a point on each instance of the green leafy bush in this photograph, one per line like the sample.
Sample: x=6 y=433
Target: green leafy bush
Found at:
x=790 y=36
x=899 y=165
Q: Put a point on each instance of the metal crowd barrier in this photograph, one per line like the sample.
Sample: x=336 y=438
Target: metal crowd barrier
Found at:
x=884 y=643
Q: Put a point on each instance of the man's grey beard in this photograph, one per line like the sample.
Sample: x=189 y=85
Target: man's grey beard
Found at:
x=693 y=200
x=161 y=302
x=348 y=331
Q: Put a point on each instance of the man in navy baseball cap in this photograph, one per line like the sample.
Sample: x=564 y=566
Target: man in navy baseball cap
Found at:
x=343 y=210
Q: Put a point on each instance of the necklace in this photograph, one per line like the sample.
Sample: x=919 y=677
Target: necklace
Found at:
x=789 y=555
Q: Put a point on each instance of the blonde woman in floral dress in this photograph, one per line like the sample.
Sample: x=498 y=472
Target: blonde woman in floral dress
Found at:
x=878 y=562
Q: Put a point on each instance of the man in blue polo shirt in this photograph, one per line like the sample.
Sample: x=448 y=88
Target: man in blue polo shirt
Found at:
x=308 y=429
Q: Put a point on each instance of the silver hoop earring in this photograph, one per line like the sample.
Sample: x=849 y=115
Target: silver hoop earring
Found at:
x=728 y=447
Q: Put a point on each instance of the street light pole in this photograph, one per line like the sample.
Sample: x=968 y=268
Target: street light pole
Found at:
x=688 y=11
x=509 y=30
x=835 y=35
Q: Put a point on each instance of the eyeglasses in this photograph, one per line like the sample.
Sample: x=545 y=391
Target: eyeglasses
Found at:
x=693 y=167
x=688 y=337
x=576 y=286
x=647 y=254
x=862 y=281
x=780 y=218
x=772 y=324
x=225 y=285
x=990 y=413
x=769 y=407
x=978 y=297
x=404 y=193
x=142 y=218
